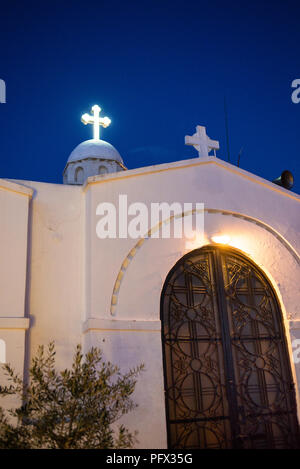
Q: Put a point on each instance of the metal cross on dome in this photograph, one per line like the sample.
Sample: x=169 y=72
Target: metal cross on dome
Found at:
x=202 y=142
x=96 y=120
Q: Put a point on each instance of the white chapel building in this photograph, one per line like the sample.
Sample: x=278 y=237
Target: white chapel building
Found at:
x=215 y=318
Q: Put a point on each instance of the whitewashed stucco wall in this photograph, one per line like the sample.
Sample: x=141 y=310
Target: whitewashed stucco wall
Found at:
x=219 y=189
x=72 y=289
x=262 y=220
x=55 y=269
x=14 y=207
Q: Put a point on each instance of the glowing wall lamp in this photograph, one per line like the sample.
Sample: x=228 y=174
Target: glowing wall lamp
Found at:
x=220 y=238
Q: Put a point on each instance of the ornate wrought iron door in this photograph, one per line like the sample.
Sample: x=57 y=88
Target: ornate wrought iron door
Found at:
x=228 y=381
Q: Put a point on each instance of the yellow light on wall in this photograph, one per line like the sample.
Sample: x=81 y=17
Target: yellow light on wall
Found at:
x=220 y=238
x=194 y=241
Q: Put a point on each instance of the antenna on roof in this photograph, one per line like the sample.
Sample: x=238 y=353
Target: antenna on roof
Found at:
x=227 y=131
x=239 y=157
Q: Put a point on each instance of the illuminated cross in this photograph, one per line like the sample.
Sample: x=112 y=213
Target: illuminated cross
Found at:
x=202 y=142
x=96 y=120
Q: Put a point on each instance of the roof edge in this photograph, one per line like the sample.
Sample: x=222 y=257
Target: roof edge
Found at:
x=8 y=185
x=186 y=164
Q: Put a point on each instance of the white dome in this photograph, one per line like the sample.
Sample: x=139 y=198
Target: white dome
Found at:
x=95 y=149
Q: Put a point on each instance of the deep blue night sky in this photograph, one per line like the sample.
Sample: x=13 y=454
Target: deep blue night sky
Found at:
x=157 y=68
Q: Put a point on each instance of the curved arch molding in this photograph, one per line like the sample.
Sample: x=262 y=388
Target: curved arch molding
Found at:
x=133 y=252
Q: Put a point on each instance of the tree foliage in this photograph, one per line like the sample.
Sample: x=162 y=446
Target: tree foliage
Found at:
x=74 y=408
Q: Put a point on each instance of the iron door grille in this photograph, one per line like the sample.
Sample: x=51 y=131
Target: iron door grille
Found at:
x=228 y=382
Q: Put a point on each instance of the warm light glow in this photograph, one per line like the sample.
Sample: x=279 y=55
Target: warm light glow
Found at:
x=96 y=120
x=221 y=238
x=194 y=240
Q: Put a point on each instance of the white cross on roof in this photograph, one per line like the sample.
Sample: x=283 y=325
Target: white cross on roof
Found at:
x=202 y=142
x=96 y=120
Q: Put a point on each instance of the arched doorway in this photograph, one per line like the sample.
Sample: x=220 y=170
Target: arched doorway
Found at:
x=228 y=381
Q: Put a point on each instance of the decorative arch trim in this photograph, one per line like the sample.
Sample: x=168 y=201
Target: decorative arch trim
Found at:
x=133 y=252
